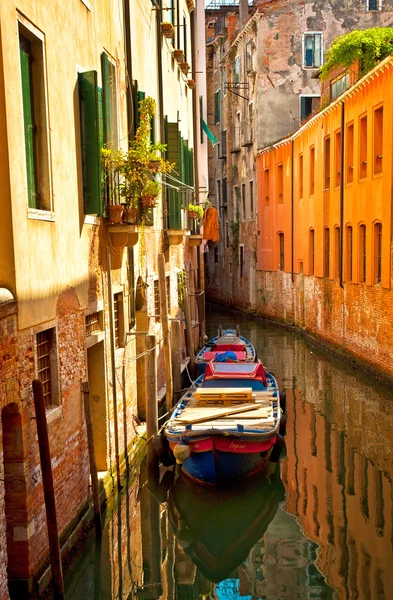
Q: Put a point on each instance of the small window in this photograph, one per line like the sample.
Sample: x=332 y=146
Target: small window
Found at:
x=218 y=192
x=118 y=318
x=374 y=5
x=308 y=106
x=224 y=191
x=312 y=170
x=349 y=153
x=300 y=176
x=363 y=147
x=349 y=253
x=337 y=159
x=378 y=140
x=312 y=50
x=280 y=184
x=217 y=107
x=241 y=261
x=249 y=56
x=326 y=178
x=244 y=215
x=93 y=323
x=326 y=252
x=312 y=251
x=156 y=300
x=266 y=186
x=362 y=254
x=338 y=86
x=377 y=253
x=281 y=251
x=337 y=252
x=47 y=365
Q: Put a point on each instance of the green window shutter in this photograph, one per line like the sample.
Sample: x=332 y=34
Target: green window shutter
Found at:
x=173 y=155
x=139 y=96
x=90 y=140
x=28 y=119
x=106 y=104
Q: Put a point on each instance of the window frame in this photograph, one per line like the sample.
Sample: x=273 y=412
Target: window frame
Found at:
x=379 y=6
x=53 y=364
x=281 y=250
x=308 y=34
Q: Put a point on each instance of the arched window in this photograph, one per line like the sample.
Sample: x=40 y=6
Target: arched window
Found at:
x=349 y=253
x=362 y=254
x=326 y=252
x=281 y=251
x=311 y=250
x=377 y=253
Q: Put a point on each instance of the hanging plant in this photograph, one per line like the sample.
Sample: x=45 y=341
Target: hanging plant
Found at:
x=167 y=29
x=195 y=211
x=367 y=47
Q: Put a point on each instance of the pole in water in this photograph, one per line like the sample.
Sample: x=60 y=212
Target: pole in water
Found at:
x=49 y=492
x=92 y=460
x=151 y=397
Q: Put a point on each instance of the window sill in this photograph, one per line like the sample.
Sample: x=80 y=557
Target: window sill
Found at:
x=91 y=220
x=53 y=413
x=40 y=215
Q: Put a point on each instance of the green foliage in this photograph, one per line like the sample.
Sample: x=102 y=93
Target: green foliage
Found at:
x=196 y=209
x=182 y=277
x=368 y=47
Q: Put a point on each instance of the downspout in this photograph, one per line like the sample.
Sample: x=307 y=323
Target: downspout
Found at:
x=292 y=214
x=342 y=194
x=158 y=11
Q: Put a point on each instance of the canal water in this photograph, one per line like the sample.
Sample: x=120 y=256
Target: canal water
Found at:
x=320 y=526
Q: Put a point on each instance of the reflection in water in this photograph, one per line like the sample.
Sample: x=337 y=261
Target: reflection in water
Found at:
x=332 y=535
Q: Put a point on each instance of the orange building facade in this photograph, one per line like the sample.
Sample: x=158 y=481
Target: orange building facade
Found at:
x=324 y=215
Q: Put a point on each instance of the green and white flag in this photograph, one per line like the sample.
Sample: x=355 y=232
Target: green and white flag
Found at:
x=208 y=133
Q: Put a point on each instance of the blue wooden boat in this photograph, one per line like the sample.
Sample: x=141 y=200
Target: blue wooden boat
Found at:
x=228 y=345
x=229 y=424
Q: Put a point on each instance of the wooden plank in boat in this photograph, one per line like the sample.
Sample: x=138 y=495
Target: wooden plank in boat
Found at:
x=215 y=412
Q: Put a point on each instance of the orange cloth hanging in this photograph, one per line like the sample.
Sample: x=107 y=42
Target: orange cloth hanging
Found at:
x=210 y=225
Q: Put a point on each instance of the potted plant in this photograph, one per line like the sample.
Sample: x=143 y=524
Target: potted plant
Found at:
x=167 y=29
x=150 y=191
x=191 y=84
x=184 y=67
x=178 y=55
x=195 y=211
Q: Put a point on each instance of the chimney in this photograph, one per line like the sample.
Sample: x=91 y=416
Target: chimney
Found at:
x=243 y=12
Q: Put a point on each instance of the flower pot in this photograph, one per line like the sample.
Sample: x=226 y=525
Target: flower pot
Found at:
x=184 y=67
x=148 y=201
x=191 y=84
x=130 y=215
x=154 y=165
x=192 y=214
x=167 y=30
x=115 y=213
x=178 y=55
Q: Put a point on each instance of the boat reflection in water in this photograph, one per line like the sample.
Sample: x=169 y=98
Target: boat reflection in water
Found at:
x=217 y=528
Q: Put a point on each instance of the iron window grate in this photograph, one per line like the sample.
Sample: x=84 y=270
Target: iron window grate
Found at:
x=44 y=345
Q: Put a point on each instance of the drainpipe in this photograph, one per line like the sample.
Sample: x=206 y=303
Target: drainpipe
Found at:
x=342 y=194
x=292 y=214
x=158 y=12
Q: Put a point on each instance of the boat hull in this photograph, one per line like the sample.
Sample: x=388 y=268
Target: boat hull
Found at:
x=218 y=460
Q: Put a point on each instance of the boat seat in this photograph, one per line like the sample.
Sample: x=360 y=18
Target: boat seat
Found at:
x=212 y=355
x=225 y=347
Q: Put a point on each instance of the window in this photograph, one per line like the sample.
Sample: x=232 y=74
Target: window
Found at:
x=363 y=147
x=156 y=300
x=281 y=251
x=337 y=252
x=244 y=215
x=308 y=106
x=378 y=140
x=251 y=199
x=218 y=193
x=47 y=365
x=118 y=319
x=349 y=153
x=326 y=252
x=377 y=253
x=217 y=107
x=249 y=56
x=349 y=253
x=280 y=184
x=312 y=170
x=362 y=254
x=266 y=186
x=337 y=159
x=300 y=176
x=236 y=133
x=312 y=50
x=338 y=86
x=326 y=176
x=236 y=70
x=241 y=261
x=374 y=4
x=93 y=323
x=35 y=119
x=312 y=251
x=224 y=191
x=109 y=101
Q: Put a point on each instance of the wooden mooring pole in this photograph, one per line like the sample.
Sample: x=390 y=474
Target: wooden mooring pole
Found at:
x=189 y=336
x=151 y=397
x=165 y=332
x=49 y=492
x=176 y=349
x=92 y=460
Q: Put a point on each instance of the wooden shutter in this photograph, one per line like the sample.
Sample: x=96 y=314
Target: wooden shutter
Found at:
x=174 y=197
x=28 y=119
x=90 y=123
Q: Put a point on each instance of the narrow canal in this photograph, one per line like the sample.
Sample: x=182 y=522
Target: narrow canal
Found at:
x=320 y=526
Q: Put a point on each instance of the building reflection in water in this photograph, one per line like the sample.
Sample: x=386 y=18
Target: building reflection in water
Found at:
x=324 y=530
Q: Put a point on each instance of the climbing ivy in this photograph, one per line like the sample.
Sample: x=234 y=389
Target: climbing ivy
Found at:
x=368 y=47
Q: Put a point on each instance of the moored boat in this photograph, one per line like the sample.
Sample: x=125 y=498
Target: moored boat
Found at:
x=229 y=424
x=228 y=345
